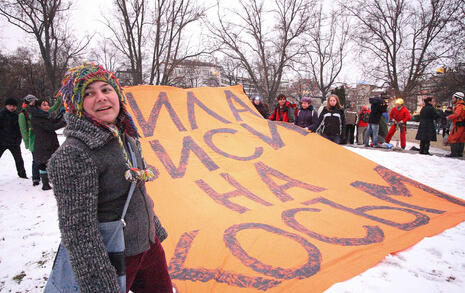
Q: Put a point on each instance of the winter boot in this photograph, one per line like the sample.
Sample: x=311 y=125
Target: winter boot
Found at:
x=426 y=149
x=35 y=182
x=453 y=150
x=44 y=178
x=422 y=147
x=460 y=149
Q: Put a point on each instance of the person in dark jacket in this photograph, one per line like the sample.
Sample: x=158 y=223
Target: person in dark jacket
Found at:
x=91 y=174
x=306 y=116
x=10 y=135
x=427 y=128
x=283 y=110
x=331 y=121
x=261 y=107
x=46 y=140
x=378 y=107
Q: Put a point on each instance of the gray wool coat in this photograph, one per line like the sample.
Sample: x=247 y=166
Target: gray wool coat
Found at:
x=87 y=173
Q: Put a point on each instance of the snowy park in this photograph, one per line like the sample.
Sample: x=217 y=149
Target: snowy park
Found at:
x=29 y=234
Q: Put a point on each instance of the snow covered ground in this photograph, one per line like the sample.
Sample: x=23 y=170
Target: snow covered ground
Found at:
x=29 y=232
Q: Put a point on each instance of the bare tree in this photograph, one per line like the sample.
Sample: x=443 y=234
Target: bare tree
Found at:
x=456 y=38
x=449 y=82
x=263 y=41
x=21 y=74
x=400 y=39
x=171 y=18
x=45 y=20
x=130 y=34
x=106 y=55
x=231 y=70
x=156 y=34
x=325 y=48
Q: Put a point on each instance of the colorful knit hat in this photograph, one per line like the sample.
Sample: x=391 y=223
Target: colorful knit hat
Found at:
x=71 y=94
x=74 y=85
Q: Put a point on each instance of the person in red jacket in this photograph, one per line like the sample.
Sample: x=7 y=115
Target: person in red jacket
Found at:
x=362 y=124
x=283 y=110
x=457 y=134
x=399 y=115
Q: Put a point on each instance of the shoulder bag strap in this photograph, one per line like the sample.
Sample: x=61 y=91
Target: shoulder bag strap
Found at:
x=133 y=184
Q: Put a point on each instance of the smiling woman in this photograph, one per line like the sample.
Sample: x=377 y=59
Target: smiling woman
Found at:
x=94 y=175
x=101 y=101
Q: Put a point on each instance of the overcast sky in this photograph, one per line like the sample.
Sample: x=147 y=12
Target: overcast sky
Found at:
x=86 y=18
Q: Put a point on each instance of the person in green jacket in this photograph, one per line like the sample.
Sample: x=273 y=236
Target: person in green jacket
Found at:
x=28 y=135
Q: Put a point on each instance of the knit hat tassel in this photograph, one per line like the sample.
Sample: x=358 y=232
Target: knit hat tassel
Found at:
x=135 y=174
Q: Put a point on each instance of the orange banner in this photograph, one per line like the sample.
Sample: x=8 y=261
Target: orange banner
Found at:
x=252 y=205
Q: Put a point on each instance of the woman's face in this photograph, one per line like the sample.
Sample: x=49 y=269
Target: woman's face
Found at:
x=305 y=105
x=332 y=101
x=44 y=106
x=281 y=102
x=101 y=101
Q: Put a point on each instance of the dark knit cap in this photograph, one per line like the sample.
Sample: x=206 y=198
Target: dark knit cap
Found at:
x=428 y=99
x=11 y=101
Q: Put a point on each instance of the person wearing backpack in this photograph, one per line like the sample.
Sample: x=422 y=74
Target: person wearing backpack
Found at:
x=331 y=121
x=306 y=116
x=362 y=123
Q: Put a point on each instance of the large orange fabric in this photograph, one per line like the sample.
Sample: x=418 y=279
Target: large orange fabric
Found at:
x=253 y=205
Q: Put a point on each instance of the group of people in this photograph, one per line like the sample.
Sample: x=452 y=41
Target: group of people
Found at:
x=331 y=120
x=37 y=129
x=92 y=171
x=337 y=124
